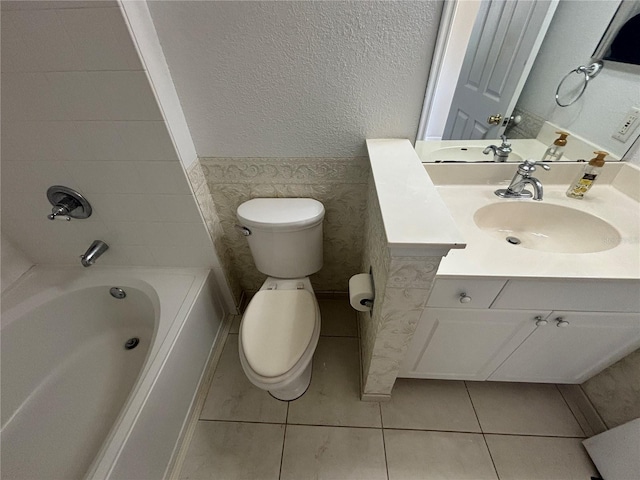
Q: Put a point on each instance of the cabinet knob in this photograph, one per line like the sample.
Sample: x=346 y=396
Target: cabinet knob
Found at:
x=540 y=322
x=464 y=298
x=561 y=322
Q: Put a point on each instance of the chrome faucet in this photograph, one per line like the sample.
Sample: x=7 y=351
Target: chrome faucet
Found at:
x=501 y=153
x=522 y=178
x=97 y=248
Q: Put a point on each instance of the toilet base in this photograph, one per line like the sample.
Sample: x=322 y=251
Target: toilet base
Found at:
x=295 y=389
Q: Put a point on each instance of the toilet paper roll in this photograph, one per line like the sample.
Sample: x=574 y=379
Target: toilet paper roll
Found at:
x=361 y=289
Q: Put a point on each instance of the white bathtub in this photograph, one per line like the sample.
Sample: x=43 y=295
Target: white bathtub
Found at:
x=75 y=402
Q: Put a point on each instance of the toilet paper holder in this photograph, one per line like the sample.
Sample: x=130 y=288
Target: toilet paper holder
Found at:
x=361 y=292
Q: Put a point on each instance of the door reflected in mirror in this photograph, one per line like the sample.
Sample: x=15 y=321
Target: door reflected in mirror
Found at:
x=573 y=33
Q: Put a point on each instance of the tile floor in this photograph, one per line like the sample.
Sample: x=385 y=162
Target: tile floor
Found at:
x=429 y=430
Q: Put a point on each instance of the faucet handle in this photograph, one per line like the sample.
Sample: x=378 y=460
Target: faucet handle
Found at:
x=505 y=140
x=529 y=166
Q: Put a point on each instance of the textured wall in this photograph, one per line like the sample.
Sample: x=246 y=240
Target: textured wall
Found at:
x=297 y=79
x=339 y=183
x=605 y=103
x=615 y=392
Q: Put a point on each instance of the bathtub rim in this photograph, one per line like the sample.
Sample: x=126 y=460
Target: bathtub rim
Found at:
x=42 y=283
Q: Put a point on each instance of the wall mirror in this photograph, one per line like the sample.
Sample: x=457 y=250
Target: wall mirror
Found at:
x=576 y=32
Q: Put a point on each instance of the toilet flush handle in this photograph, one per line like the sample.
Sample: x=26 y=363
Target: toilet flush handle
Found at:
x=243 y=230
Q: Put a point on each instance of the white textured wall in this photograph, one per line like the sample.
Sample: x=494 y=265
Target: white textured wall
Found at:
x=297 y=79
x=13 y=262
x=572 y=37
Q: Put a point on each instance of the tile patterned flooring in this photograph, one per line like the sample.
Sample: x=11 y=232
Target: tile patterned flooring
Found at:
x=429 y=430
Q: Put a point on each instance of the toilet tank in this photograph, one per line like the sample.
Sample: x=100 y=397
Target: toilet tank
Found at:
x=286 y=235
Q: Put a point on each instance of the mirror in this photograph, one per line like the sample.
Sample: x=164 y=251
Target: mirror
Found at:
x=578 y=30
x=621 y=41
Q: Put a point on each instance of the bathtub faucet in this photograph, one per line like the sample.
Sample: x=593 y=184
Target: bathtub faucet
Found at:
x=97 y=248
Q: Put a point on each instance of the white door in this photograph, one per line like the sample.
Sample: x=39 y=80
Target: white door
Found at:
x=573 y=353
x=465 y=344
x=504 y=42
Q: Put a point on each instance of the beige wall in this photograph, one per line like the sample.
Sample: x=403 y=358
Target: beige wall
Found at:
x=339 y=183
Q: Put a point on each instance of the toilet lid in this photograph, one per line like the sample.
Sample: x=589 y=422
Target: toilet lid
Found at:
x=276 y=330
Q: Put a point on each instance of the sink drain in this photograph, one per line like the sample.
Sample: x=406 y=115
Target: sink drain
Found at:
x=131 y=343
x=513 y=240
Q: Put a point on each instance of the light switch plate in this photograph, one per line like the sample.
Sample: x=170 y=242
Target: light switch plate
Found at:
x=628 y=126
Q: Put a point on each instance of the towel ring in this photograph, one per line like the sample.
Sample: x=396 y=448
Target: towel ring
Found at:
x=588 y=72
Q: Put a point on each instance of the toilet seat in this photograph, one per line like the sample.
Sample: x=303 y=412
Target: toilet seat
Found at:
x=277 y=329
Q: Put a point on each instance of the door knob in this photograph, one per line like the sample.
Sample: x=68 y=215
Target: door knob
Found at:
x=494 y=119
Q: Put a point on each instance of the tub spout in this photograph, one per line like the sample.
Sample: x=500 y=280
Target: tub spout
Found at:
x=97 y=248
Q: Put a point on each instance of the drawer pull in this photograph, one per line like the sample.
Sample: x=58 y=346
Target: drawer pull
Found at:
x=540 y=322
x=464 y=298
x=561 y=322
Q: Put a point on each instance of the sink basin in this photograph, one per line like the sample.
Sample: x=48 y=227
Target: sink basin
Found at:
x=465 y=154
x=546 y=227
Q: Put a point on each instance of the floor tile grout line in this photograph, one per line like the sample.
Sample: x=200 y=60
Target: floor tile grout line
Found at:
x=484 y=438
x=284 y=440
x=571 y=410
x=403 y=429
x=475 y=412
x=384 y=443
x=495 y=469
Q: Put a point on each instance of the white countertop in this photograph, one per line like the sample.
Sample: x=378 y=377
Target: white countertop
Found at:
x=487 y=256
x=416 y=220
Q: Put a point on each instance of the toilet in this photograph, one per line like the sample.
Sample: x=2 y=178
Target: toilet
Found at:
x=280 y=328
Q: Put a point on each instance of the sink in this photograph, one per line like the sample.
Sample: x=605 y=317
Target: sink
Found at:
x=546 y=227
x=465 y=154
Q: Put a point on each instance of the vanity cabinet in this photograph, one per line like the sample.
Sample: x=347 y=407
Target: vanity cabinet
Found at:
x=466 y=344
x=571 y=347
x=465 y=333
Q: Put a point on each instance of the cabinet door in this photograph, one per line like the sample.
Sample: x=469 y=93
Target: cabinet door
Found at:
x=465 y=344
x=572 y=353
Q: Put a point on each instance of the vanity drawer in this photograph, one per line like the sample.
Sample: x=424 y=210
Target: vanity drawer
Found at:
x=478 y=293
x=559 y=294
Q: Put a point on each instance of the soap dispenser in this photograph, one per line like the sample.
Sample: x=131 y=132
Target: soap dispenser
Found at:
x=584 y=181
x=556 y=149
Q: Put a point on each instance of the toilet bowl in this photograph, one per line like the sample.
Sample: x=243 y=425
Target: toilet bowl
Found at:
x=278 y=336
x=280 y=328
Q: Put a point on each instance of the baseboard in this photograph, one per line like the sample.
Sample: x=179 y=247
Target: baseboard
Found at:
x=582 y=408
x=375 y=397
x=194 y=414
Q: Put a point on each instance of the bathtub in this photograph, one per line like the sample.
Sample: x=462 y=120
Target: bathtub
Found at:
x=75 y=402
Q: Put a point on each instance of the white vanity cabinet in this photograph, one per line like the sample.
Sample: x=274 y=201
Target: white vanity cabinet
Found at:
x=471 y=330
x=466 y=344
x=571 y=348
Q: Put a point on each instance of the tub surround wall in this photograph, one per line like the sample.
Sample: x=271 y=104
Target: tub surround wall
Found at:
x=79 y=110
x=14 y=263
x=408 y=230
x=615 y=392
x=339 y=183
